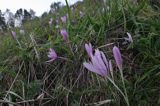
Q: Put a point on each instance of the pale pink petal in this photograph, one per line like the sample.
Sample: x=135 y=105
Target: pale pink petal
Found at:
x=89 y=49
x=99 y=60
x=104 y=59
x=64 y=34
x=95 y=63
x=92 y=68
x=64 y=19
x=117 y=57
x=52 y=55
x=13 y=34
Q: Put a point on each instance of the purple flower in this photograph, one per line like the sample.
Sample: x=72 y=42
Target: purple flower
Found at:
x=64 y=34
x=13 y=34
x=89 y=49
x=129 y=38
x=64 y=19
x=98 y=64
x=52 y=55
x=117 y=57
x=50 y=21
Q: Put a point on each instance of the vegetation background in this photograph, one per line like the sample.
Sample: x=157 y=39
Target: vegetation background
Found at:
x=26 y=79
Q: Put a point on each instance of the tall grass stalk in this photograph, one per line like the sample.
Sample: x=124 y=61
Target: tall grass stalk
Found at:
x=124 y=87
x=123 y=94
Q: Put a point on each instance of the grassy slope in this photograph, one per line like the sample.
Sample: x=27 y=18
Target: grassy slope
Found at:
x=24 y=71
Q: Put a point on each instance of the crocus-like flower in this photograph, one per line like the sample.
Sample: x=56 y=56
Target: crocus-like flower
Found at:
x=52 y=55
x=98 y=64
x=64 y=34
x=129 y=38
x=64 y=19
x=50 y=21
x=89 y=49
x=117 y=57
x=13 y=34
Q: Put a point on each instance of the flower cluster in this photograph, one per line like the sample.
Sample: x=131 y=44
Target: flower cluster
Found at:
x=99 y=63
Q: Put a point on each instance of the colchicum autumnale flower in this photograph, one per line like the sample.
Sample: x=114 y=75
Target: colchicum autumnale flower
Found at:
x=117 y=57
x=64 y=34
x=13 y=34
x=129 y=38
x=52 y=55
x=64 y=19
x=50 y=21
x=98 y=64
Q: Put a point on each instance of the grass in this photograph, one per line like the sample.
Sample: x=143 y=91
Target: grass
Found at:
x=26 y=78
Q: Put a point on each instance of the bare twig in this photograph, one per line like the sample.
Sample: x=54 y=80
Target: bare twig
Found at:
x=105 y=45
x=4 y=101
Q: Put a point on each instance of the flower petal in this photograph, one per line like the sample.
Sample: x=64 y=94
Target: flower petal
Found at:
x=117 y=57
x=52 y=55
x=129 y=38
x=92 y=68
x=64 y=34
x=100 y=61
x=104 y=59
x=89 y=49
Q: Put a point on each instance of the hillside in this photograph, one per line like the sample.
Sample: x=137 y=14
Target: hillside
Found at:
x=92 y=53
